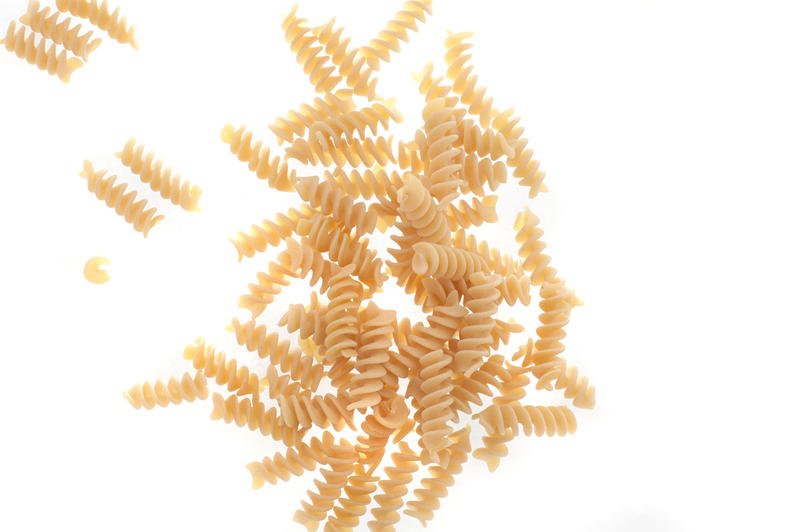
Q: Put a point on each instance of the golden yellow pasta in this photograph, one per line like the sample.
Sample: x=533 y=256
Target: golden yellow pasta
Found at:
x=358 y=121
x=442 y=158
x=254 y=415
x=446 y=262
x=124 y=203
x=93 y=270
x=352 y=66
x=99 y=14
x=465 y=215
x=268 y=232
x=347 y=513
x=302 y=43
x=396 y=30
x=211 y=363
x=258 y=158
x=296 y=461
x=61 y=33
x=340 y=207
x=394 y=488
x=352 y=152
x=340 y=466
x=417 y=206
x=175 y=391
x=297 y=122
x=529 y=236
x=49 y=59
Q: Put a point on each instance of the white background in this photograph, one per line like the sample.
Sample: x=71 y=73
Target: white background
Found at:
x=669 y=134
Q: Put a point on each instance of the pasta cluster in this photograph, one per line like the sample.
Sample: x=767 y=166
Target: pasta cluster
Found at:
x=63 y=47
x=403 y=397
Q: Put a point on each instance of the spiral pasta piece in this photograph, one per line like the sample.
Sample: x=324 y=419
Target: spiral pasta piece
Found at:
x=99 y=14
x=302 y=43
x=442 y=158
x=467 y=391
x=388 y=40
x=539 y=420
x=300 y=259
x=476 y=173
x=476 y=334
x=263 y=291
x=269 y=232
x=135 y=212
x=387 y=418
x=376 y=115
x=25 y=47
x=332 y=202
x=515 y=288
x=420 y=340
x=347 y=513
x=309 y=323
x=436 y=384
x=93 y=270
x=409 y=157
x=429 y=86
x=160 y=178
x=341 y=332
x=343 y=152
x=211 y=363
x=49 y=26
x=465 y=215
x=340 y=466
x=367 y=184
x=439 y=479
x=494 y=448
x=375 y=340
x=258 y=158
x=482 y=143
x=498 y=262
x=459 y=71
x=294 y=462
x=529 y=236
x=320 y=109
x=304 y=409
x=352 y=66
x=445 y=262
x=175 y=391
x=416 y=205
x=255 y=416
x=393 y=489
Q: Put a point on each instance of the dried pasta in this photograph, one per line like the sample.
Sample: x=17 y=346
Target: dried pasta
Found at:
x=50 y=59
x=99 y=14
x=61 y=33
x=93 y=270
x=174 y=391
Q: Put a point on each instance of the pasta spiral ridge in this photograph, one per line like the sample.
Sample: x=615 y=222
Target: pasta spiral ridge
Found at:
x=436 y=384
x=409 y=157
x=300 y=259
x=416 y=204
x=26 y=47
x=459 y=71
x=309 y=323
x=304 y=409
x=255 y=416
x=263 y=291
x=375 y=340
x=494 y=448
x=366 y=184
x=429 y=86
x=529 y=236
x=320 y=109
x=476 y=334
x=59 y=32
x=442 y=324
x=357 y=74
x=268 y=232
x=442 y=159
x=99 y=14
x=343 y=152
x=439 y=479
x=211 y=363
x=393 y=489
x=294 y=462
x=340 y=466
x=467 y=391
x=347 y=513
x=465 y=215
x=333 y=202
x=498 y=262
x=475 y=140
x=379 y=49
x=358 y=120
x=341 y=332
x=160 y=178
x=539 y=420
x=445 y=262
x=301 y=42
x=515 y=288
x=175 y=391
x=258 y=158
x=135 y=212
x=386 y=419
x=476 y=173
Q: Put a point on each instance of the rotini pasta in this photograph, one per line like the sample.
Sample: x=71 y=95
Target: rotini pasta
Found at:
x=258 y=158
x=358 y=121
x=442 y=160
x=268 y=232
x=347 y=513
x=320 y=109
x=393 y=489
x=295 y=461
x=98 y=14
x=343 y=152
x=379 y=49
x=211 y=363
x=302 y=43
x=436 y=384
x=334 y=203
x=445 y=262
x=476 y=334
x=352 y=66
x=304 y=409
x=375 y=338
x=93 y=270
x=255 y=416
x=49 y=27
x=124 y=203
x=417 y=206
x=529 y=236
x=466 y=215
x=340 y=466
x=49 y=59
x=175 y=391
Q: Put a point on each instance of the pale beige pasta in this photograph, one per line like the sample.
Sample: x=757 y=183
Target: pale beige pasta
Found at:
x=387 y=418
x=332 y=202
x=446 y=262
x=269 y=232
x=100 y=15
x=468 y=391
x=459 y=71
x=341 y=331
x=388 y=40
x=255 y=416
x=475 y=339
x=436 y=383
x=367 y=184
x=442 y=158
x=409 y=157
x=480 y=142
x=50 y=59
x=294 y=462
x=417 y=206
x=258 y=158
x=465 y=215
x=124 y=203
x=531 y=246
x=94 y=272
x=420 y=340
x=309 y=323
x=61 y=33
x=498 y=262
x=320 y=109
x=494 y=448
x=375 y=340
x=226 y=371
x=303 y=44
x=374 y=116
x=429 y=86
x=300 y=259
x=352 y=66
x=304 y=409
x=340 y=466
x=475 y=173
x=348 y=511
x=174 y=391
x=393 y=489
x=353 y=152
x=263 y=292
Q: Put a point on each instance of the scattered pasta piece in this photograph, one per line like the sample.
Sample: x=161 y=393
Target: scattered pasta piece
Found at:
x=93 y=270
x=99 y=14
x=50 y=59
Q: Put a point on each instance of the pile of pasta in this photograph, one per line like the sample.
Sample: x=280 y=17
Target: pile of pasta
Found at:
x=414 y=388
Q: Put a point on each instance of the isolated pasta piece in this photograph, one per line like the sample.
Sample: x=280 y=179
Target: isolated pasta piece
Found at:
x=99 y=14
x=59 y=32
x=94 y=272
x=50 y=59
x=174 y=391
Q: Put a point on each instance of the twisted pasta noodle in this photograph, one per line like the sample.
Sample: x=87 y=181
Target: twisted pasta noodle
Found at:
x=295 y=461
x=529 y=236
x=476 y=173
x=59 y=32
x=255 y=416
x=344 y=249
x=436 y=384
x=416 y=205
x=435 y=291
x=304 y=409
x=309 y=322
x=343 y=152
x=503 y=330
x=576 y=387
x=475 y=140
x=299 y=366
x=340 y=466
x=379 y=49
x=526 y=168
x=347 y=513
x=341 y=332
x=429 y=86
x=135 y=212
x=268 y=232
x=467 y=391
x=258 y=158
x=442 y=161
x=211 y=363
x=439 y=479
x=98 y=14
x=498 y=262
x=26 y=47
x=375 y=340
x=93 y=270
x=358 y=120
x=320 y=109
x=393 y=489
x=409 y=157
x=555 y=302
x=333 y=202
x=387 y=419
x=300 y=259
x=420 y=340
x=175 y=391
x=263 y=291
x=515 y=288
x=403 y=255
x=353 y=67
x=494 y=448
x=464 y=83
x=446 y=262
x=301 y=41
x=160 y=178
x=366 y=184
x=466 y=215
x=476 y=334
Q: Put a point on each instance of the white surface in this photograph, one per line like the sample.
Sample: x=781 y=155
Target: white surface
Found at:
x=669 y=134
